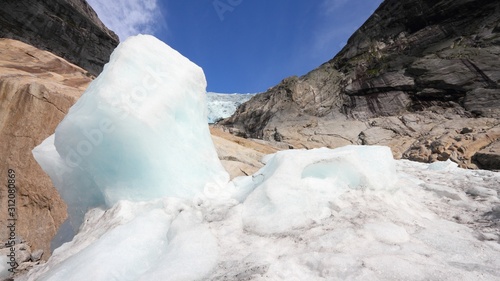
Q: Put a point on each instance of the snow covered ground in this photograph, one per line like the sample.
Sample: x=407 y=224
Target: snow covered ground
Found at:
x=224 y=105
x=359 y=221
x=352 y=213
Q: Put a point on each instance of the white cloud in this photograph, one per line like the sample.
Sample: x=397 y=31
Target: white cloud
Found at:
x=129 y=17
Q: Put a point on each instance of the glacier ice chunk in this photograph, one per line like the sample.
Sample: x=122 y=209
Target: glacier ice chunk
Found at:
x=139 y=132
x=297 y=187
x=443 y=165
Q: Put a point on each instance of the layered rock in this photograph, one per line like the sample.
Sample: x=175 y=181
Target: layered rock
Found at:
x=435 y=61
x=67 y=28
x=489 y=157
x=36 y=90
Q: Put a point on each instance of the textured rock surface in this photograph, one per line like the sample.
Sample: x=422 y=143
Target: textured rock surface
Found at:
x=36 y=90
x=432 y=62
x=23 y=256
x=483 y=102
x=67 y=28
x=239 y=156
x=489 y=157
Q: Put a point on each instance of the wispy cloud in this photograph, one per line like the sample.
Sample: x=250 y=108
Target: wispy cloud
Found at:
x=331 y=6
x=129 y=17
x=330 y=41
x=338 y=20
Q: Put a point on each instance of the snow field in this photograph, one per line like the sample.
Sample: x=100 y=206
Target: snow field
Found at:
x=402 y=232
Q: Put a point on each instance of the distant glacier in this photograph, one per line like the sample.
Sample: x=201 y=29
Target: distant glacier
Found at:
x=224 y=105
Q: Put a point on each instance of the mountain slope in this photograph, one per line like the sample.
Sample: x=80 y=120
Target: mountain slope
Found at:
x=430 y=61
x=67 y=28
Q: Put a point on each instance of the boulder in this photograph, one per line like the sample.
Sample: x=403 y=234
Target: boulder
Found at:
x=489 y=157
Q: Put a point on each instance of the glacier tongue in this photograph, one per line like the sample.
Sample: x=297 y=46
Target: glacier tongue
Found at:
x=139 y=132
x=224 y=105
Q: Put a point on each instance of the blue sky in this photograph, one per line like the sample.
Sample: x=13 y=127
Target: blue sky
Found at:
x=243 y=46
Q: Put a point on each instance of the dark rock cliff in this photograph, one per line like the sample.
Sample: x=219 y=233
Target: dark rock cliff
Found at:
x=425 y=53
x=67 y=28
x=411 y=57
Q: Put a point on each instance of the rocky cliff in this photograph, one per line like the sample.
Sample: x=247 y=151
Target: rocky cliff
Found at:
x=36 y=90
x=421 y=76
x=67 y=28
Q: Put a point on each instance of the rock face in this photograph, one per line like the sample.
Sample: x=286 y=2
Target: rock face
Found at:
x=416 y=72
x=489 y=156
x=23 y=256
x=36 y=90
x=67 y=28
x=239 y=156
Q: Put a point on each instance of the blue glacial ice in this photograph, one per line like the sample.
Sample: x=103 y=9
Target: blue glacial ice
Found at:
x=138 y=132
x=224 y=105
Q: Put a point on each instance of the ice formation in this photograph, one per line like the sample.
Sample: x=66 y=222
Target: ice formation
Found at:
x=297 y=219
x=296 y=188
x=139 y=132
x=224 y=105
x=352 y=213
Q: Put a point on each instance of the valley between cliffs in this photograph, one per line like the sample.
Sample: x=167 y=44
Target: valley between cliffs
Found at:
x=419 y=76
